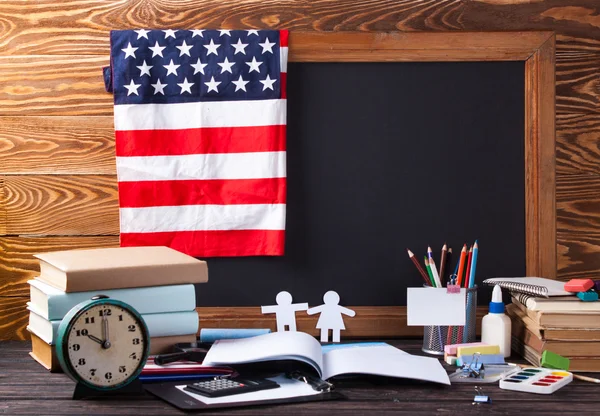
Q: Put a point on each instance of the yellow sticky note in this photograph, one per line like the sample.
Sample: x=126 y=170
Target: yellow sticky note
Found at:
x=482 y=349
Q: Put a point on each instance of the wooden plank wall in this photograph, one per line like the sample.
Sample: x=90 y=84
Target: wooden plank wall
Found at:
x=57 y=171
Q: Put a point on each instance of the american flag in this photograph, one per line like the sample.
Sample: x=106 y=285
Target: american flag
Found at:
x=200 y=121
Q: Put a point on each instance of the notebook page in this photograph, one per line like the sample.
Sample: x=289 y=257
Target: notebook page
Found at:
x=383 y=361
x=555 y=287
x=268 y=347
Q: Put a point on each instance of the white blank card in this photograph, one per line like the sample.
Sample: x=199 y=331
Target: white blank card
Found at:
x=429 y=306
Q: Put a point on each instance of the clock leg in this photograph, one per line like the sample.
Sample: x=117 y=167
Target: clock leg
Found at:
x=134 y=388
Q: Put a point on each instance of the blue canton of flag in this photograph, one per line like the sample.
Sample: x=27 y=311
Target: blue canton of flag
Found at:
x=160 y=66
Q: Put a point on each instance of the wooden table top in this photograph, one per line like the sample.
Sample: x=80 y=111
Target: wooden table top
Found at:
x=27 y=388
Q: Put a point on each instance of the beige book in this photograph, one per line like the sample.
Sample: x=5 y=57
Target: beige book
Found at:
x=576 y=348
x=554 y=334
x=45 y=354
x=581 y=364
x=120 y=267
x=564 y=319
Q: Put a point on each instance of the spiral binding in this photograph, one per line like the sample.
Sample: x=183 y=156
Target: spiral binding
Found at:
x=532 y=290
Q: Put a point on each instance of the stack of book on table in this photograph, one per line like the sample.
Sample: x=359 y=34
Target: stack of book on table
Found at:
x=157 y=281
x=562 y=324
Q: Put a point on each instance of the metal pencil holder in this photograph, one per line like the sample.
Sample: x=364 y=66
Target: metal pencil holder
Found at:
x=436 y=337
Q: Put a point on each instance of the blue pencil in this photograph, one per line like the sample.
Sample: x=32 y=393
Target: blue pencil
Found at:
x=473 y=264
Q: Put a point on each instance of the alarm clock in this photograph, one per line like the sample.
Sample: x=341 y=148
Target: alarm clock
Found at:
x=102 y=344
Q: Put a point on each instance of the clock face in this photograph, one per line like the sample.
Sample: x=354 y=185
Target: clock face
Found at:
x=105 y=345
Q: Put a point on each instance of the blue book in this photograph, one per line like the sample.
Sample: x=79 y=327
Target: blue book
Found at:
x=159 y=324
x=52 y=303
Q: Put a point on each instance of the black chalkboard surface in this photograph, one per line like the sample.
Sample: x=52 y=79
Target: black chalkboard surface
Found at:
x=385 y=156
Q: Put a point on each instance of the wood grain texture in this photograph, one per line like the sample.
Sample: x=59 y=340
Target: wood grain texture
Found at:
x=540 y=211
x=57 y=145
x=80 y=27
x=578 y=144
x=13 y=317
x=578 y=82
x=21 y=376
x=53 y=85
x=578 y=226
x=61 y=205
x=369 y=322
x=17 y=264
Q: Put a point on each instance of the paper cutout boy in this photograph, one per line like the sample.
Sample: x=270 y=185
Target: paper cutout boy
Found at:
x=285 y=311
x=331 y=316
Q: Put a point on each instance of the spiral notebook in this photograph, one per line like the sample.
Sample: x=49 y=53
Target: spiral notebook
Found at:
x=534 y=286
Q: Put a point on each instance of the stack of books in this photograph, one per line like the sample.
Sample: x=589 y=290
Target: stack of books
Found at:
x=562 y=324
x=157 y=281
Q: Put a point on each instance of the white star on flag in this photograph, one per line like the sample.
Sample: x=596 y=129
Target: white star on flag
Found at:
x=184 y=49
x=253 y=32
x=186 y=86
x=158 y=87
x=268 y=83
x=212 y=48
x=225 y=32
x=169 y=33
x=197 y=32
x=144 y=69
x=132 y=88
x=226 y=66
x=254 y=65
x=129 y=51
x=212 y=85
x=239 y=47
x=240 y=84
x=267 y=46
x=142 y=33
x=198 y=67
x=171 y=68
x=157 y=50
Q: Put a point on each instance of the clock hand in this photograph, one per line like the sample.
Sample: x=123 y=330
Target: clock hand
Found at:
x=106 y=344
x=96 y=339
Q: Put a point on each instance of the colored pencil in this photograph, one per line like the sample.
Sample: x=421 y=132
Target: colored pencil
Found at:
x=473 y=265
x=449 y=261
x=443 y=259
x=468 y=272
x=429 y=272
x=419 y=268
x=434 y=270
x=461 y=264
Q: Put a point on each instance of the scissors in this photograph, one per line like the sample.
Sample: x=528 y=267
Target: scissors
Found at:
x=190 y=351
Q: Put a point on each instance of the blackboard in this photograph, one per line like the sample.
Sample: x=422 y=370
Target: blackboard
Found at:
x=384 y=156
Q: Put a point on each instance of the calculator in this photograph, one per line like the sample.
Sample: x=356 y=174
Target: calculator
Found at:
x=220 y=387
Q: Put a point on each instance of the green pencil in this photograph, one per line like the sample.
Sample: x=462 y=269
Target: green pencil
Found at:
x=429 y=272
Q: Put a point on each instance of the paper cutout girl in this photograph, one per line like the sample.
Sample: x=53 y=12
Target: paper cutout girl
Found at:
x=331 y=316
x=285 y=311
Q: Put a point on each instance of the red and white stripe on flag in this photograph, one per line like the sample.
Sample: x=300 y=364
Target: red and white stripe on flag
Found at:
x=206 y=177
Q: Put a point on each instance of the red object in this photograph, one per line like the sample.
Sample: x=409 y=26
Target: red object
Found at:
x=579 y=285
x=201 y=140
x=468 y=272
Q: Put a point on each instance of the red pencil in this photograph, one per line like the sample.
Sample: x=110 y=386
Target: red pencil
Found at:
x=414 y=260
x=468 y=266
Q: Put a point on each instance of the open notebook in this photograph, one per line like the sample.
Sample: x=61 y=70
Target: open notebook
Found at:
x=378 y=359
x=534 y=286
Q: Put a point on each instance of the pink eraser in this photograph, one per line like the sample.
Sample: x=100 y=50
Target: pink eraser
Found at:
x=579 y=285
x=452 y=349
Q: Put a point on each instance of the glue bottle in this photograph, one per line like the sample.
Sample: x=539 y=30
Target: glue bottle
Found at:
x=495 y=326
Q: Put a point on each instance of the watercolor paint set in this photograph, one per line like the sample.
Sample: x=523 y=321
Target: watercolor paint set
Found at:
x=537 y=380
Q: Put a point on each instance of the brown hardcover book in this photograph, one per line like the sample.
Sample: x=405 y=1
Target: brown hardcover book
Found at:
x=45 y=354
x=564 y=319
x=581 y=364
x=120 y=267
x=575 y=348
x=552 y=334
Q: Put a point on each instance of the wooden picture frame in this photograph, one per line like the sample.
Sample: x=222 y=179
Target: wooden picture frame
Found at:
x=537 y=50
